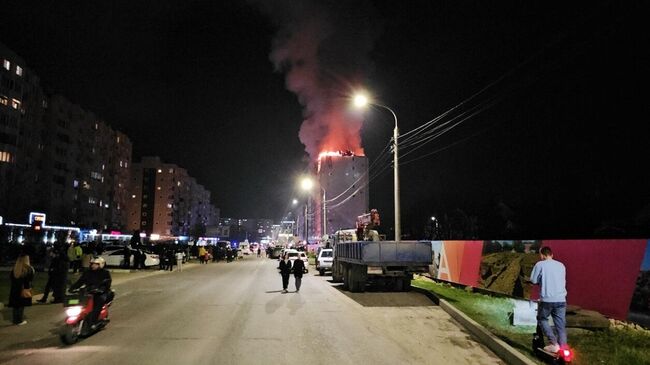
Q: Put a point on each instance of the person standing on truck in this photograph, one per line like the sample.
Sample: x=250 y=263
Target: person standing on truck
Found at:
x=285 y=271
x=551 y=277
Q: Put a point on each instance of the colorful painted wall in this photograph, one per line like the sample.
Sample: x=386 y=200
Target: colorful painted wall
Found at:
x=618 y=270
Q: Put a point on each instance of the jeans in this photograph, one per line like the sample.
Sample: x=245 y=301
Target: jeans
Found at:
x=558 y=312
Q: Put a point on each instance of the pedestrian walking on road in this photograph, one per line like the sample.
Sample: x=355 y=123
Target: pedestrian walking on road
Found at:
x=285 y=271
x=20 y=294
x=298 y=269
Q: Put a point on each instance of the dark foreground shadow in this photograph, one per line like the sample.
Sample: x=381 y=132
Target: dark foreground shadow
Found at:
x=374 y=297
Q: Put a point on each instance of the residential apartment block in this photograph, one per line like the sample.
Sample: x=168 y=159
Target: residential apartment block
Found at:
x=165 y=200
x=56 y=157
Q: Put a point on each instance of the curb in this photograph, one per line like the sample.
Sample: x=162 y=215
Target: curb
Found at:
x=498 y=346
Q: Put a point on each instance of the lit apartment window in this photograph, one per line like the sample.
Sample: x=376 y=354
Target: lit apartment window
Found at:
x=169 y=205
x=6 y=64
x=158 y=188
x=171 y=171
x=92 y=200
x=19 y=70
x=96 y=125
x=126 y=164
x=121 y=163
x=75 y=183
x=4 y=100
x=103 y=167
x=15 y=103
x=133 y=196
x=178 y=183
x=5 y=156
x=159 y=171
x=118 y=139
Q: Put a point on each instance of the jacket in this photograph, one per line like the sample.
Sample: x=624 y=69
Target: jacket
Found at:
x=285 y=267
x=298 y=268
x=94 y=279
x=17 y=286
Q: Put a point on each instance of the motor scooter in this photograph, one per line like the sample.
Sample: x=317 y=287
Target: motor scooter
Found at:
x=78 y=306
x=563 y=356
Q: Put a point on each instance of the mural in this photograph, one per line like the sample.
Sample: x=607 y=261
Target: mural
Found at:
x=596 y=269
x=456 y=261
x=505 y=266
x=641 y=297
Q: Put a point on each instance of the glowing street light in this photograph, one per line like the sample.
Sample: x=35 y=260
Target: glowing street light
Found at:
x=361 y=101
x=307 y=184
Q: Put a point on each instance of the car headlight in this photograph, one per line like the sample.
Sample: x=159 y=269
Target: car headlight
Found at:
x=73 y=311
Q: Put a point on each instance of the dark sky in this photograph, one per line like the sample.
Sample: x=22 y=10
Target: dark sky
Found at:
x=191 y=81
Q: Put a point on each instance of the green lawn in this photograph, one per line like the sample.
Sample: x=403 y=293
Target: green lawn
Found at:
x=600 y=347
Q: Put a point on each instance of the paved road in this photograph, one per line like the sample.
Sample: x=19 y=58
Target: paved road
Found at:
x=235 y=314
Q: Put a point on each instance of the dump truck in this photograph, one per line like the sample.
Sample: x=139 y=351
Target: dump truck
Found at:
x=388 y=264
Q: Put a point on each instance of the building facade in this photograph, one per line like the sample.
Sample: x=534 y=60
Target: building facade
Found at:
x=163 y=199
x=344 y=179
x=56 y=157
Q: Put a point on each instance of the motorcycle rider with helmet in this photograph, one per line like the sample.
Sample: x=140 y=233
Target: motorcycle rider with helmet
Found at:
x=98 y=282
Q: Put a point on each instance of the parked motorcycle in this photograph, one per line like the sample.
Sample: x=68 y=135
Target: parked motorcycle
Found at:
x=78 y=307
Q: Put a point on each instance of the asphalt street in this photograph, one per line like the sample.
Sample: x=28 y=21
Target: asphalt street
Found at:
x=235 y=313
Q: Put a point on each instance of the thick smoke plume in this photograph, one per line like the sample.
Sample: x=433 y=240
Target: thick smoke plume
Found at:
x=323 y=47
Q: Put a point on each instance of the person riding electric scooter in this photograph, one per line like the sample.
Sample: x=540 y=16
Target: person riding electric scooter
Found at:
x=98 y=282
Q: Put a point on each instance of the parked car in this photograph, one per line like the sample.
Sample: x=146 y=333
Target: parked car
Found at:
x=116 y=258
x=324 y=260
x=298 y=255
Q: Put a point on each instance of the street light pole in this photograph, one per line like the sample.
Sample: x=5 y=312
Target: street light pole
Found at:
x=361 y=100
x=324 y=211
x=398 y=226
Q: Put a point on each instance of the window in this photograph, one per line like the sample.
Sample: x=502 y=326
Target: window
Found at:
x=144 y=214
x=19 y=70
x=121 y=164
x=4 y=100
x=171 y=171
x=5 y=156
x=15 y=103
x=133 y=196
x=92 y=200
x=75 y=184
x=143 y=223
x=6 y=64
x=169 y=205
x=118 y=141
x=96 y=175
x=159 y=171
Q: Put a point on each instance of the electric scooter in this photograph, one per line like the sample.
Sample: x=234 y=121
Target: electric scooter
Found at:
x=78 y=307
x=563 y=356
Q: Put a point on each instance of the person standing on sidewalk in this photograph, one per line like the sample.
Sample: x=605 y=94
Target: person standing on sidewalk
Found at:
x=551 y=277
x=285 y=271
x=20 y=295
x=298 y=269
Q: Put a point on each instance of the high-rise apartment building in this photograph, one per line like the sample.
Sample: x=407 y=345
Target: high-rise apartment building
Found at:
x=87 y=167
x=344 y=179
x=165 y=200
x=21 y=135
x=56 y=157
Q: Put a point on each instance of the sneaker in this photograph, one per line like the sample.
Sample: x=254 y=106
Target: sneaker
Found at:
x=285 y=291
x=21 y=323
x=552 y=348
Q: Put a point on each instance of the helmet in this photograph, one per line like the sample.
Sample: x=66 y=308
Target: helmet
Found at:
x=98 y=260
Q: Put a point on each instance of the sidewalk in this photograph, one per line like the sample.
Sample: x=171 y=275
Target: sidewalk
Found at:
x=118 y=275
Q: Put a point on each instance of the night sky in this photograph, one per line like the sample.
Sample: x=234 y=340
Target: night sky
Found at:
x=560 y=152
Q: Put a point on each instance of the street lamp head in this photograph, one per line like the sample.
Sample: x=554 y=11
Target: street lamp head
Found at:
x=433 y=218
x=360 y=100
x=307 y=184
x=294 y=202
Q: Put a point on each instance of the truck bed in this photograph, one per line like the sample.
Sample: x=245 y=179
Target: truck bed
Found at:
x=384 y=253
